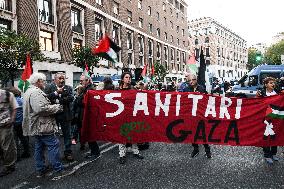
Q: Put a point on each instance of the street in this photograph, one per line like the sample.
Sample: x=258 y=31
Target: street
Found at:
x=164 y=166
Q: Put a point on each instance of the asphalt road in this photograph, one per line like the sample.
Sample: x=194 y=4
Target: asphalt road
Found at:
x=165 y=166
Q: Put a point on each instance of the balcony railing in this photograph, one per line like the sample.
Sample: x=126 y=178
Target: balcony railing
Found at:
x=46 y=17
x=6 y=5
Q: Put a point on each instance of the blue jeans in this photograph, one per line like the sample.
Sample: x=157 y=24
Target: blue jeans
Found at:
x=52 y=144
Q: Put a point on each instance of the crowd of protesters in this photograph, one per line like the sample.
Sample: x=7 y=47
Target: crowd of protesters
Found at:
x=44 y=109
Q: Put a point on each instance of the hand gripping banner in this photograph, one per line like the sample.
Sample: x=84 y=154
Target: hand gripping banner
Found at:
x=152 y=116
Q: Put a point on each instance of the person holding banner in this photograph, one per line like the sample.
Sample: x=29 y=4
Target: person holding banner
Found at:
x=125 y=84
x=191 y=86
x=86 y=81
x=269 y=90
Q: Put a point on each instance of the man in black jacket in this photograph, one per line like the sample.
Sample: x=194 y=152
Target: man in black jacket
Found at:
x=192 y=86
x=60 y=93
x=86 y=81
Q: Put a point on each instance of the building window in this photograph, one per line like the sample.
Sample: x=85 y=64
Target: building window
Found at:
x=150 y=28
x=183 y=43
x=6 y=5
x=171 y=11
x=141 y=60
x=165 y=21
x=183 y=57
x=45 y=11
x=98 y=29
x=178 y=56
x=158 y=32
x=172 y=55
x=140 y=4
x=207 y=62
x=177 y=41
x=100 y=2
x=207 y=52
x=150 y=48
x=115 y=34
x=182 y=8
x=129 y=16
x=207 y=40
x=177 y=29
x=129 y=59
x=149 y=11
x=178 y=67
x=158 y=16
x=115 y=8
x=172 y=38
x=46 y=40
x=140 y=22
x=177 y=15
x=172 y=25
x=77 y=43
x=166 y=36
x=141 y=44
x=76 y=20
x=182 y=32
x=196 y=42
x=166 y=58
x=158 y=50
x=196 y=53
x=164 y=7
x=76 y=78
x=6 y=24
x=177 y=4
x=129 y=40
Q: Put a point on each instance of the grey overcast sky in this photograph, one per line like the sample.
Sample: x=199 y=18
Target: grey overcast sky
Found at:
x=254 y=20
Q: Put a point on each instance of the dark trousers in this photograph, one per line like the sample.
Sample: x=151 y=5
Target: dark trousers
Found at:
x=206 y=146
x=94 y=148
x=269 y=151
x=18 y=130
x=66 y=131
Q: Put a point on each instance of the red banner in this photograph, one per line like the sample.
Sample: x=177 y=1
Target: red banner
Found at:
x=152 y=116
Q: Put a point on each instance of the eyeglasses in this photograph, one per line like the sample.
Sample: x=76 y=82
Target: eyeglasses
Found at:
x=192 y=80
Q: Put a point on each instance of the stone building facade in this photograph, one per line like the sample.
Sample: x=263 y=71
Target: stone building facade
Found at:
x=226 y=53
x=148 y=31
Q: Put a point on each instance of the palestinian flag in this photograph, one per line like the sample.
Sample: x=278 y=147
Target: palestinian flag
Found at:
x=107 y=49
x=144 y=71
x=191 y=64
x=275 y=112
x=86 y=71
x=24 y=83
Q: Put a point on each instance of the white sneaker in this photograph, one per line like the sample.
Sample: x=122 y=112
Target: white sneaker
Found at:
x=275 y=158
x=269 y=160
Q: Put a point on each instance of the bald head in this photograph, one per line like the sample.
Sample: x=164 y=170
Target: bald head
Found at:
x=192 y=79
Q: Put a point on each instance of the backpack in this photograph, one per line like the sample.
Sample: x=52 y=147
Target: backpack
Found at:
x=5 y=109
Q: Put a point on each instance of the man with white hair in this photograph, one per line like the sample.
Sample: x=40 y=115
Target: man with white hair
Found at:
x=191 y=86
x=39 y=121
x=86 y=81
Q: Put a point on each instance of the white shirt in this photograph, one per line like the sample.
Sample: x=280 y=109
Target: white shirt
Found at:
x=271 y=93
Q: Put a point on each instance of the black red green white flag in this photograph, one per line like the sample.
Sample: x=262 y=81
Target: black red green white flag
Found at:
x=107 y=49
